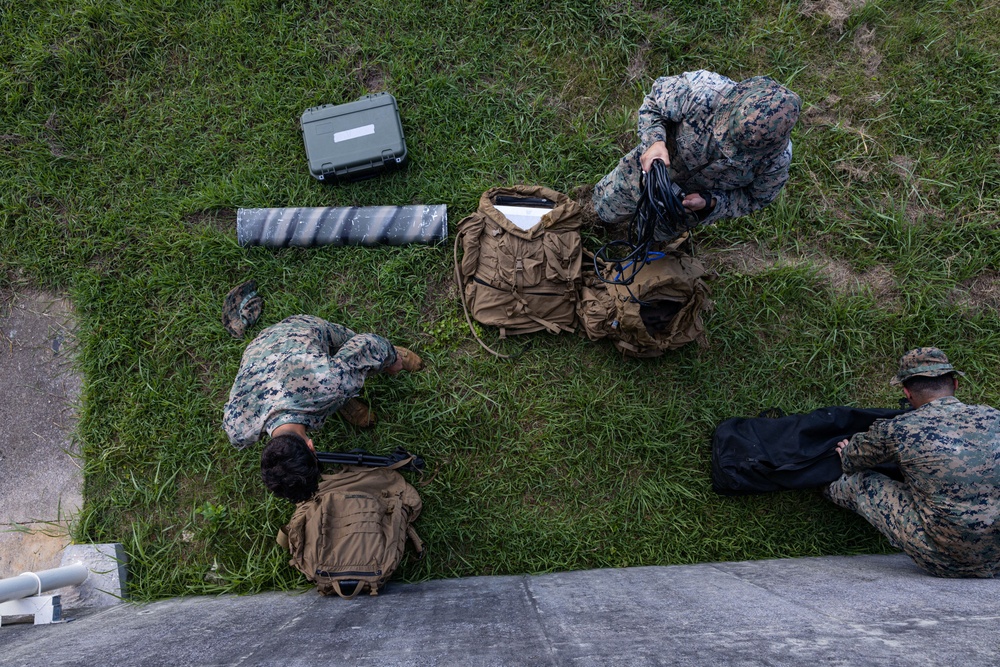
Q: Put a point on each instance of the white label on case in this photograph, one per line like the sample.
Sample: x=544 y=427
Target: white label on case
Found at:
x=354 y=133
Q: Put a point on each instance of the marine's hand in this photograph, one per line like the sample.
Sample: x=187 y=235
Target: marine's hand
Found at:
x=658 y=151
x=840 y=447
x=694 y=202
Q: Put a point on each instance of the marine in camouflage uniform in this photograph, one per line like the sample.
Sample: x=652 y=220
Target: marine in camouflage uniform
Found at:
x=725 y=139
x=946 y=514
x=300 y=370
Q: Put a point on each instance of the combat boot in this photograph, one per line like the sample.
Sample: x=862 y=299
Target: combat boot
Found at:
x=411 y=362
x=356 y=413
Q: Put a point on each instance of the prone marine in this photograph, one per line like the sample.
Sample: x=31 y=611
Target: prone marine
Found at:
x=295 y=374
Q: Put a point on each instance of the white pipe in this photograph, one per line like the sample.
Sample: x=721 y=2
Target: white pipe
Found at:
x=36 y=583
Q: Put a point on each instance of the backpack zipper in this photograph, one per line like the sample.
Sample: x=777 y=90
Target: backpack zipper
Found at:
x=321 y=573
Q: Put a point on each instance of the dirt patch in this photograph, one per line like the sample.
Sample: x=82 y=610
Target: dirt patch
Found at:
x=855 y=169
x=882 y=282
x=904 y=166
x=221 y=219
x=979 y=293
x=821 y=113
x=864 y=43
x=371 y=77
x=837 y=11
x=747 y=258
x=439 y=290
x=844 y=279
x=637 y=66
x=916 y=212
x=751 y=259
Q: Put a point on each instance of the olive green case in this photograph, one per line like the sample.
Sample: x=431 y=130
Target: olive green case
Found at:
x=361 y=139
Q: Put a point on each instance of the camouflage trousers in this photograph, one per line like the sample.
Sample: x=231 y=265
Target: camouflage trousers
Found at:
x=359 y=357
x=617 y=194
x=363 y=354
x=888 y=505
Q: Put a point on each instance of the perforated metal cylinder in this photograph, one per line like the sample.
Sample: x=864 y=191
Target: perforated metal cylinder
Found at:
x=353 y=225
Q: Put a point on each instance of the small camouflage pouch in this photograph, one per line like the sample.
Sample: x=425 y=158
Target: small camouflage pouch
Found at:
x=242 y=308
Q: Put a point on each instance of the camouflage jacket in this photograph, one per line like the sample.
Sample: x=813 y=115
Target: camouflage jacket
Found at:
x=300 y=371
x=949 y=454
x=681 y=111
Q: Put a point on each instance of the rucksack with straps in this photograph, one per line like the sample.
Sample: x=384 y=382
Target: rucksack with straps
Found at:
x=660 y=310
x=354 y=530
x=520 y=280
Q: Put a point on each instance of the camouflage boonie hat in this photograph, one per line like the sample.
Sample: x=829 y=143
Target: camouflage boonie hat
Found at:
x=758 y=115
x=924 y=362
x=242 y=308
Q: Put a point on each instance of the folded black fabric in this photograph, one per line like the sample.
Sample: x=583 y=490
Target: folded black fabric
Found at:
x=766 y=453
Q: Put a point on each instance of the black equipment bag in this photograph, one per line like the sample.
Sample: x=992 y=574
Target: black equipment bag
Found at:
x=761 y=454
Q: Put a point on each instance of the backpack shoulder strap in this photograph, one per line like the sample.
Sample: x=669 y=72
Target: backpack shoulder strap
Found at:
x=460 y=284
x=418 y=544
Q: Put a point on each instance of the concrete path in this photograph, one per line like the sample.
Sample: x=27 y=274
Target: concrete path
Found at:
x=40 y=481
x=864 y=610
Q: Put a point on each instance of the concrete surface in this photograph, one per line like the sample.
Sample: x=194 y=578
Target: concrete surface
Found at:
x=40 y=481
x=106 y=584
x=863 y=610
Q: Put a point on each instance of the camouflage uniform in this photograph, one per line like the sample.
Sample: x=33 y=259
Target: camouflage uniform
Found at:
x=727 y=139
x=300 y=370
x=946 y=514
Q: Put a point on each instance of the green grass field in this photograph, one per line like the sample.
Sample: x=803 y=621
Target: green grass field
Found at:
x=131 y=131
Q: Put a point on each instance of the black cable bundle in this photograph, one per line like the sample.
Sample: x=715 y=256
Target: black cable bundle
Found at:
x=658 y=207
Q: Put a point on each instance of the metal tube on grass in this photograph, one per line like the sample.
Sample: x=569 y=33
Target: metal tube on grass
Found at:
x=349 y=225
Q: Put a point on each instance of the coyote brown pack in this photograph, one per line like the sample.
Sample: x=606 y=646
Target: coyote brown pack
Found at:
x=660 y=310
x=353 y=530
x=521 y=280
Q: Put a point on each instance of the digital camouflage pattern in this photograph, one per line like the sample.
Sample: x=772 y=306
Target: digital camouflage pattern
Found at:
x=758 y=116
x=725 y=138
x=946 y=515
x=300 y=370
x=241 y=308
x=924 y=362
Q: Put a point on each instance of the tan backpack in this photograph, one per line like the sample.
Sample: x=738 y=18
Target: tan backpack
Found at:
x=660 y=310
x=353 y=530
x=520 y=280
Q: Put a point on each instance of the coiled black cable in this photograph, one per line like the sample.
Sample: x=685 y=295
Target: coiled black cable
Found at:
x=659 y=207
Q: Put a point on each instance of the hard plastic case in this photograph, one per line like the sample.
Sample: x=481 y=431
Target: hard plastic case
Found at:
x=361 y=139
